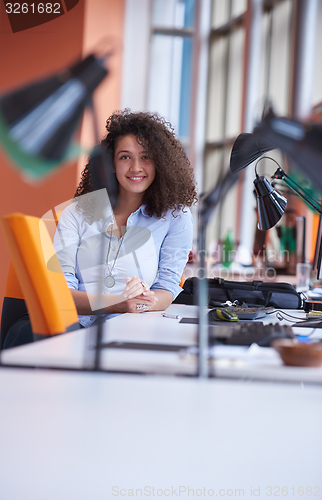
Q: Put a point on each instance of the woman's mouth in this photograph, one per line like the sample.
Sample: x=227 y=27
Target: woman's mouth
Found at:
x=137 y=178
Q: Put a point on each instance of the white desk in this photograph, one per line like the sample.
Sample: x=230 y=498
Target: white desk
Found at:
x=68 y=350
x=75 y=436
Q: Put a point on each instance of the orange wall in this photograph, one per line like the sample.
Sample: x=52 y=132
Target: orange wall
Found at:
x=103 y=28
x=37 y=52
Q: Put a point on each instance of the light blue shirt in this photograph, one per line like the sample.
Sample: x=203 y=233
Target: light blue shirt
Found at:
x=155 y=249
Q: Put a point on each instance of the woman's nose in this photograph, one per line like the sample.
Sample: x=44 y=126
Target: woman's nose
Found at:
x=135 y=165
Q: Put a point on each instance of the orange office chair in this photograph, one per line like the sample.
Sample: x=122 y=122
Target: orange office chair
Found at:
x=48 y=299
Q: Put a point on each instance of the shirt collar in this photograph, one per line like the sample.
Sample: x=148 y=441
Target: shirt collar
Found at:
x=109 y=219
x=143 y=211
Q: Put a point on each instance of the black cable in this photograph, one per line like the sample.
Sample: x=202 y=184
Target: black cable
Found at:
x=286 y=314
x=280 y=313
x=267 y=158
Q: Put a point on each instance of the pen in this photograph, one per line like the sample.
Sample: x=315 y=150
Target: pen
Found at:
x=172 y=316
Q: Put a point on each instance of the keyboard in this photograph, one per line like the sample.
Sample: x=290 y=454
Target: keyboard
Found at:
x=241 y=312
x=250 y=312
x=247 y=333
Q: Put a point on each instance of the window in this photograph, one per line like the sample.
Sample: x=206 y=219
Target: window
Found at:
x=171 y=63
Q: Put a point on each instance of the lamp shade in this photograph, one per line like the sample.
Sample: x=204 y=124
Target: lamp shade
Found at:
x=270 y=204
x=38 y=121
x=246 y=149
x=300 y=142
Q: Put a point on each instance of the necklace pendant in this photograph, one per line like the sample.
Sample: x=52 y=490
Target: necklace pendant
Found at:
x=109 y=281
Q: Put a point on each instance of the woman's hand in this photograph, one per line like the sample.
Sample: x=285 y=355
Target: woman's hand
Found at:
x=139 y=304
x=137 y=296
x=134 y=287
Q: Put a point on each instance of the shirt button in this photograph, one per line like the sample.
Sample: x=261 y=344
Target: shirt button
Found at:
x=130 y=221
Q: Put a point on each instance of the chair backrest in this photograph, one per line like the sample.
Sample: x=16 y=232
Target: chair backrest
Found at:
x=49 y=301
x=14 y=307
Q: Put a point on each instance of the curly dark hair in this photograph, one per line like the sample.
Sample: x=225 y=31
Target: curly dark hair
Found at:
x=174 y=185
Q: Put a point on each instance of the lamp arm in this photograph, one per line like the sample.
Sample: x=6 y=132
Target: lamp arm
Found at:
x=212 y=199
x=207 y=205
x=303 y=193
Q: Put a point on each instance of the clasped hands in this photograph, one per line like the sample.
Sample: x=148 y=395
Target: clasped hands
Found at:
x=137 y=296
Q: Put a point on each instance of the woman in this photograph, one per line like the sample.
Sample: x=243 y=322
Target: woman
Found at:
x=141 y=249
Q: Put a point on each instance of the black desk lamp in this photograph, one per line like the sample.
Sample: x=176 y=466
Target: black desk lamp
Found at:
x=301 y=142
x=271 y=204
x=38 y=121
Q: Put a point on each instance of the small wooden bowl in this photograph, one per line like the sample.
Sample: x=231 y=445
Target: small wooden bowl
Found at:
x=295 y=353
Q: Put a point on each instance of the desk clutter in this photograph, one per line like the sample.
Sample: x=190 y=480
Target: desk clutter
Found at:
x=158 y=343
x=248 y=312
x=245 y=333
x=225 y=328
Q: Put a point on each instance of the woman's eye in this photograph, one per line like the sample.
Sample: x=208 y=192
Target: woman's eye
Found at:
x=124 y=157
x=145 y=157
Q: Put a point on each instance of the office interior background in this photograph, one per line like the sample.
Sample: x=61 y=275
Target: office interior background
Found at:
x=206 y=65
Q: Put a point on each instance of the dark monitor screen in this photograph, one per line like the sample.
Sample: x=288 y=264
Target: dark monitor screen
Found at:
x=318 y=251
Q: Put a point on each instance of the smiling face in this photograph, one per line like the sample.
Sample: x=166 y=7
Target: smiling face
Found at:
x=135 y=170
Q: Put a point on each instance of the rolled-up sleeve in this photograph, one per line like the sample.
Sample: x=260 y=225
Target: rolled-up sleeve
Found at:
x=174 y=253
x=72 y=281
x=66 y=242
